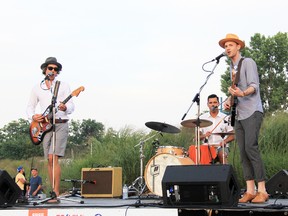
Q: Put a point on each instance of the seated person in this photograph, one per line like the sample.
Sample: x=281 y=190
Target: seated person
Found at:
x=209 y=138
x=35 y=183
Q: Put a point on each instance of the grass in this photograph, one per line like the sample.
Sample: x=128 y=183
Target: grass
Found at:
x=122 y=149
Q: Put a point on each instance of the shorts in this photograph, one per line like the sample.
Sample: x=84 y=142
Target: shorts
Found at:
x=61 y=133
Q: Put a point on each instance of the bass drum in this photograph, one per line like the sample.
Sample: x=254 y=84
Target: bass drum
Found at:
x=155 y=169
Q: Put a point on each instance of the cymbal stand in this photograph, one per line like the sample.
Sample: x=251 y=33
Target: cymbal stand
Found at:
x=223 y=149
x=139 y=183
x=197 y=130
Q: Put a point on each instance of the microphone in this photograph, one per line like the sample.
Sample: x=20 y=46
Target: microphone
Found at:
x=48 y=76
x=219 y=56
x=214 y=108
x=91 y=182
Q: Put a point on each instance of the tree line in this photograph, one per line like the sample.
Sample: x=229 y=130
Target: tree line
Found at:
x=15 y=140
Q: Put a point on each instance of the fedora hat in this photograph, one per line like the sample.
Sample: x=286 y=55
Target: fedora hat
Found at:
x=232 y=37
x=51 y=60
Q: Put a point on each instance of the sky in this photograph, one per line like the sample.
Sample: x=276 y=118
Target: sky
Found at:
x=139 y=60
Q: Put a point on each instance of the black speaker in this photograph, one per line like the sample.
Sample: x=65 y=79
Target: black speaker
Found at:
x=200 y=186
x=9 y=190
x=278 y=184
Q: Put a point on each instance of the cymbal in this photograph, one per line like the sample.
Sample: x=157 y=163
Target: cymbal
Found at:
x=162 y=127
x=191 y=123
x=224 y=133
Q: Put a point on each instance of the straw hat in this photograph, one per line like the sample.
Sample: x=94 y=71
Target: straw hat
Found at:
x=231 y=37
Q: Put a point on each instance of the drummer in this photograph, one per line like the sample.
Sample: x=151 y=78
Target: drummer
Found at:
x=219 y=125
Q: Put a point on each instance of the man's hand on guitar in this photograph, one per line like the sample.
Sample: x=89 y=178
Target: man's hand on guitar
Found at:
x=227 y=103
x=38 y=118
x=236 y=92
x=62 y=107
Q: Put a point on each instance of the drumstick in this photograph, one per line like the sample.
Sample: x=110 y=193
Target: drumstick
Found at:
x=218 y=124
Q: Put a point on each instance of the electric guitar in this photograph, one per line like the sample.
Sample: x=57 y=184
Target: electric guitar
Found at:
x=234 y=100
x=39 y=129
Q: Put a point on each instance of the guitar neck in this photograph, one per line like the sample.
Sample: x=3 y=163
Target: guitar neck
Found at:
x=49 y=108
x=67 y=99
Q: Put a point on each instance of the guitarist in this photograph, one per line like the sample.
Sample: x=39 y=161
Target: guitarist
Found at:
x=249 y=115
x=42 y=94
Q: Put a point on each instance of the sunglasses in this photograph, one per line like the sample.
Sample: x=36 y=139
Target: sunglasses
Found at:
x=53 y=68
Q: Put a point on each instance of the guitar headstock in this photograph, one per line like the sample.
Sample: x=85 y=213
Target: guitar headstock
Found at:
x=77 y=91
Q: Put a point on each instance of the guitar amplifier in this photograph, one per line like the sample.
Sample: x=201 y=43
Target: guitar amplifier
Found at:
x=101 y=182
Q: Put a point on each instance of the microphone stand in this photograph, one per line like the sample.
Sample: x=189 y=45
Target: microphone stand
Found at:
x=53 y=111
x=197 y=99
x=53 y=103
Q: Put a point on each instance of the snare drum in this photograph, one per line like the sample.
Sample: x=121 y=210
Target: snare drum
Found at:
x=206 y=157
x=156 y=167
x=174 y=150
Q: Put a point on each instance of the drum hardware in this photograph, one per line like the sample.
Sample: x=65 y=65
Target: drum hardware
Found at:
x=192 y=123
x=197 y=124
x=139 y=183
x=223 y=134
x=155 y=145
x=162 y=127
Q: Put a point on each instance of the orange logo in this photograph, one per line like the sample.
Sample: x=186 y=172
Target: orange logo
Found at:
x=38 y=212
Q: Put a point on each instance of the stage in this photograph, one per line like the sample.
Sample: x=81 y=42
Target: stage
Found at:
x=133 y=206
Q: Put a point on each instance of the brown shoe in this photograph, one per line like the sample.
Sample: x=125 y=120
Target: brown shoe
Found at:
x=261 y=198
x=247 y=197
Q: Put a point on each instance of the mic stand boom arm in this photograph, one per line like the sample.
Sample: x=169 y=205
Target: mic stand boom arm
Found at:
x=197 y=99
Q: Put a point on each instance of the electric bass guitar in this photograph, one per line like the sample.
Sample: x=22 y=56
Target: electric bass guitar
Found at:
x=39 y=129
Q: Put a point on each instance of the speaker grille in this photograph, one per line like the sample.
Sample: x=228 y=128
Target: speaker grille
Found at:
x=9 y=190
x=278 y=184
x=200 y=185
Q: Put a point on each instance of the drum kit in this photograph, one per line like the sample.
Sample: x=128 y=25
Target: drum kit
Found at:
x=167 y=155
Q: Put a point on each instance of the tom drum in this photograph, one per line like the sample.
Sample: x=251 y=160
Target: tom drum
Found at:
x=174 y=150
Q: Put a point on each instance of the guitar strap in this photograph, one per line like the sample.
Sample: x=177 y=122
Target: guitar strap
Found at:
x=238 y=71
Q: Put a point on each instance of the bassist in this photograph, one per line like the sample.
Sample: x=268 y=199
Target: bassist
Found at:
x=42 y=94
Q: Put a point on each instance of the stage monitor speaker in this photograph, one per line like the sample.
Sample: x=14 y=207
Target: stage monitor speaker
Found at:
x=108 y=182
x=278 y=184
x=9 y=190
x=200 y=186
